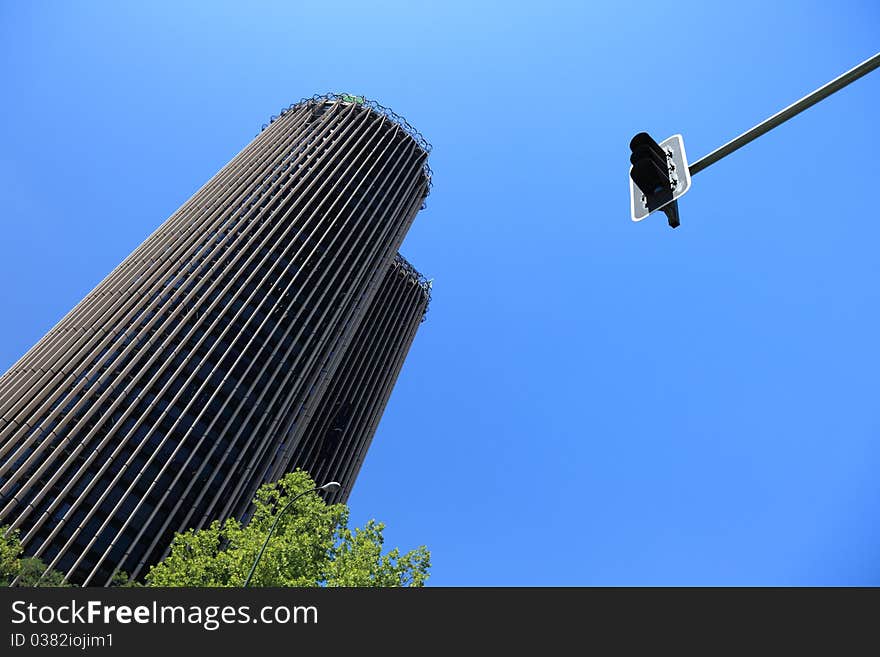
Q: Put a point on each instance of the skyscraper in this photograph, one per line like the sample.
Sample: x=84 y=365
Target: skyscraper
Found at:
x=259 y=329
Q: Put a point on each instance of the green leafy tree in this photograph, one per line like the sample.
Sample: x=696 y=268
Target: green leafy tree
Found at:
x=30 y=571
x=10 y=553
x=311 y=546
x=33 y=573
x=121 y=579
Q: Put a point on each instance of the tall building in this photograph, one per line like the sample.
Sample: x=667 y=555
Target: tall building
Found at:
x=338 y=433
x=259 y=329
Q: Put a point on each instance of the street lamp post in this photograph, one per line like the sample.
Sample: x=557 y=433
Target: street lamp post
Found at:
x=331 y=486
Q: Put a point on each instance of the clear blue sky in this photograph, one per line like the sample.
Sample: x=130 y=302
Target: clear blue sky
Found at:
x=591 y=401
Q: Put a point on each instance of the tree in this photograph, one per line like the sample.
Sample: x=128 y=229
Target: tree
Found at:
x=30 y=571
x=311 y=546
x=10 y=552
x=33 y=573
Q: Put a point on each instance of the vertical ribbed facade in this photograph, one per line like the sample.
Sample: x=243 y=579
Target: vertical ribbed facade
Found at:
x=196 y=370
x=340 y=427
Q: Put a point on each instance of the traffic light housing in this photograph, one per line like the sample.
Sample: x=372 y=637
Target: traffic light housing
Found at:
x=649 y=171
x=658 y=177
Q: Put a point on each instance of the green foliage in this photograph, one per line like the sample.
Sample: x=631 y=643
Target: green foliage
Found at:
x=10 y=553
x=31 y=574
x=122 y=579
x=358 y=561
x=348 y=98
x=311 y=546
x=29 y=570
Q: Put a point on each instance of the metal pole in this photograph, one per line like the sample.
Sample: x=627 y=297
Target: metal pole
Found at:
x=781 y=117
x=272 y=530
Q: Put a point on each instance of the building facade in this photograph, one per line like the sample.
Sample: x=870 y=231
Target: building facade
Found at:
x=341 y=425
x=259 y=329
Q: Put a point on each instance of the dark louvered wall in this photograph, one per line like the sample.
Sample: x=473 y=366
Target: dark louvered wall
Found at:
x=184 y=380
x=338 y=432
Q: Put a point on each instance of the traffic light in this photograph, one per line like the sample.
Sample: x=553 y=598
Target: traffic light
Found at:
x=650 y=171
x=659 y=176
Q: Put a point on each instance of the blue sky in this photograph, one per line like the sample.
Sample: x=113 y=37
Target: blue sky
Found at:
x=591 y=401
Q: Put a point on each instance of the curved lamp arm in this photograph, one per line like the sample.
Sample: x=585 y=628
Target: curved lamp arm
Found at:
x=330 y=486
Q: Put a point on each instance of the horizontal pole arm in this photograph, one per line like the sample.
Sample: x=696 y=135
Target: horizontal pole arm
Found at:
x=781 y=117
